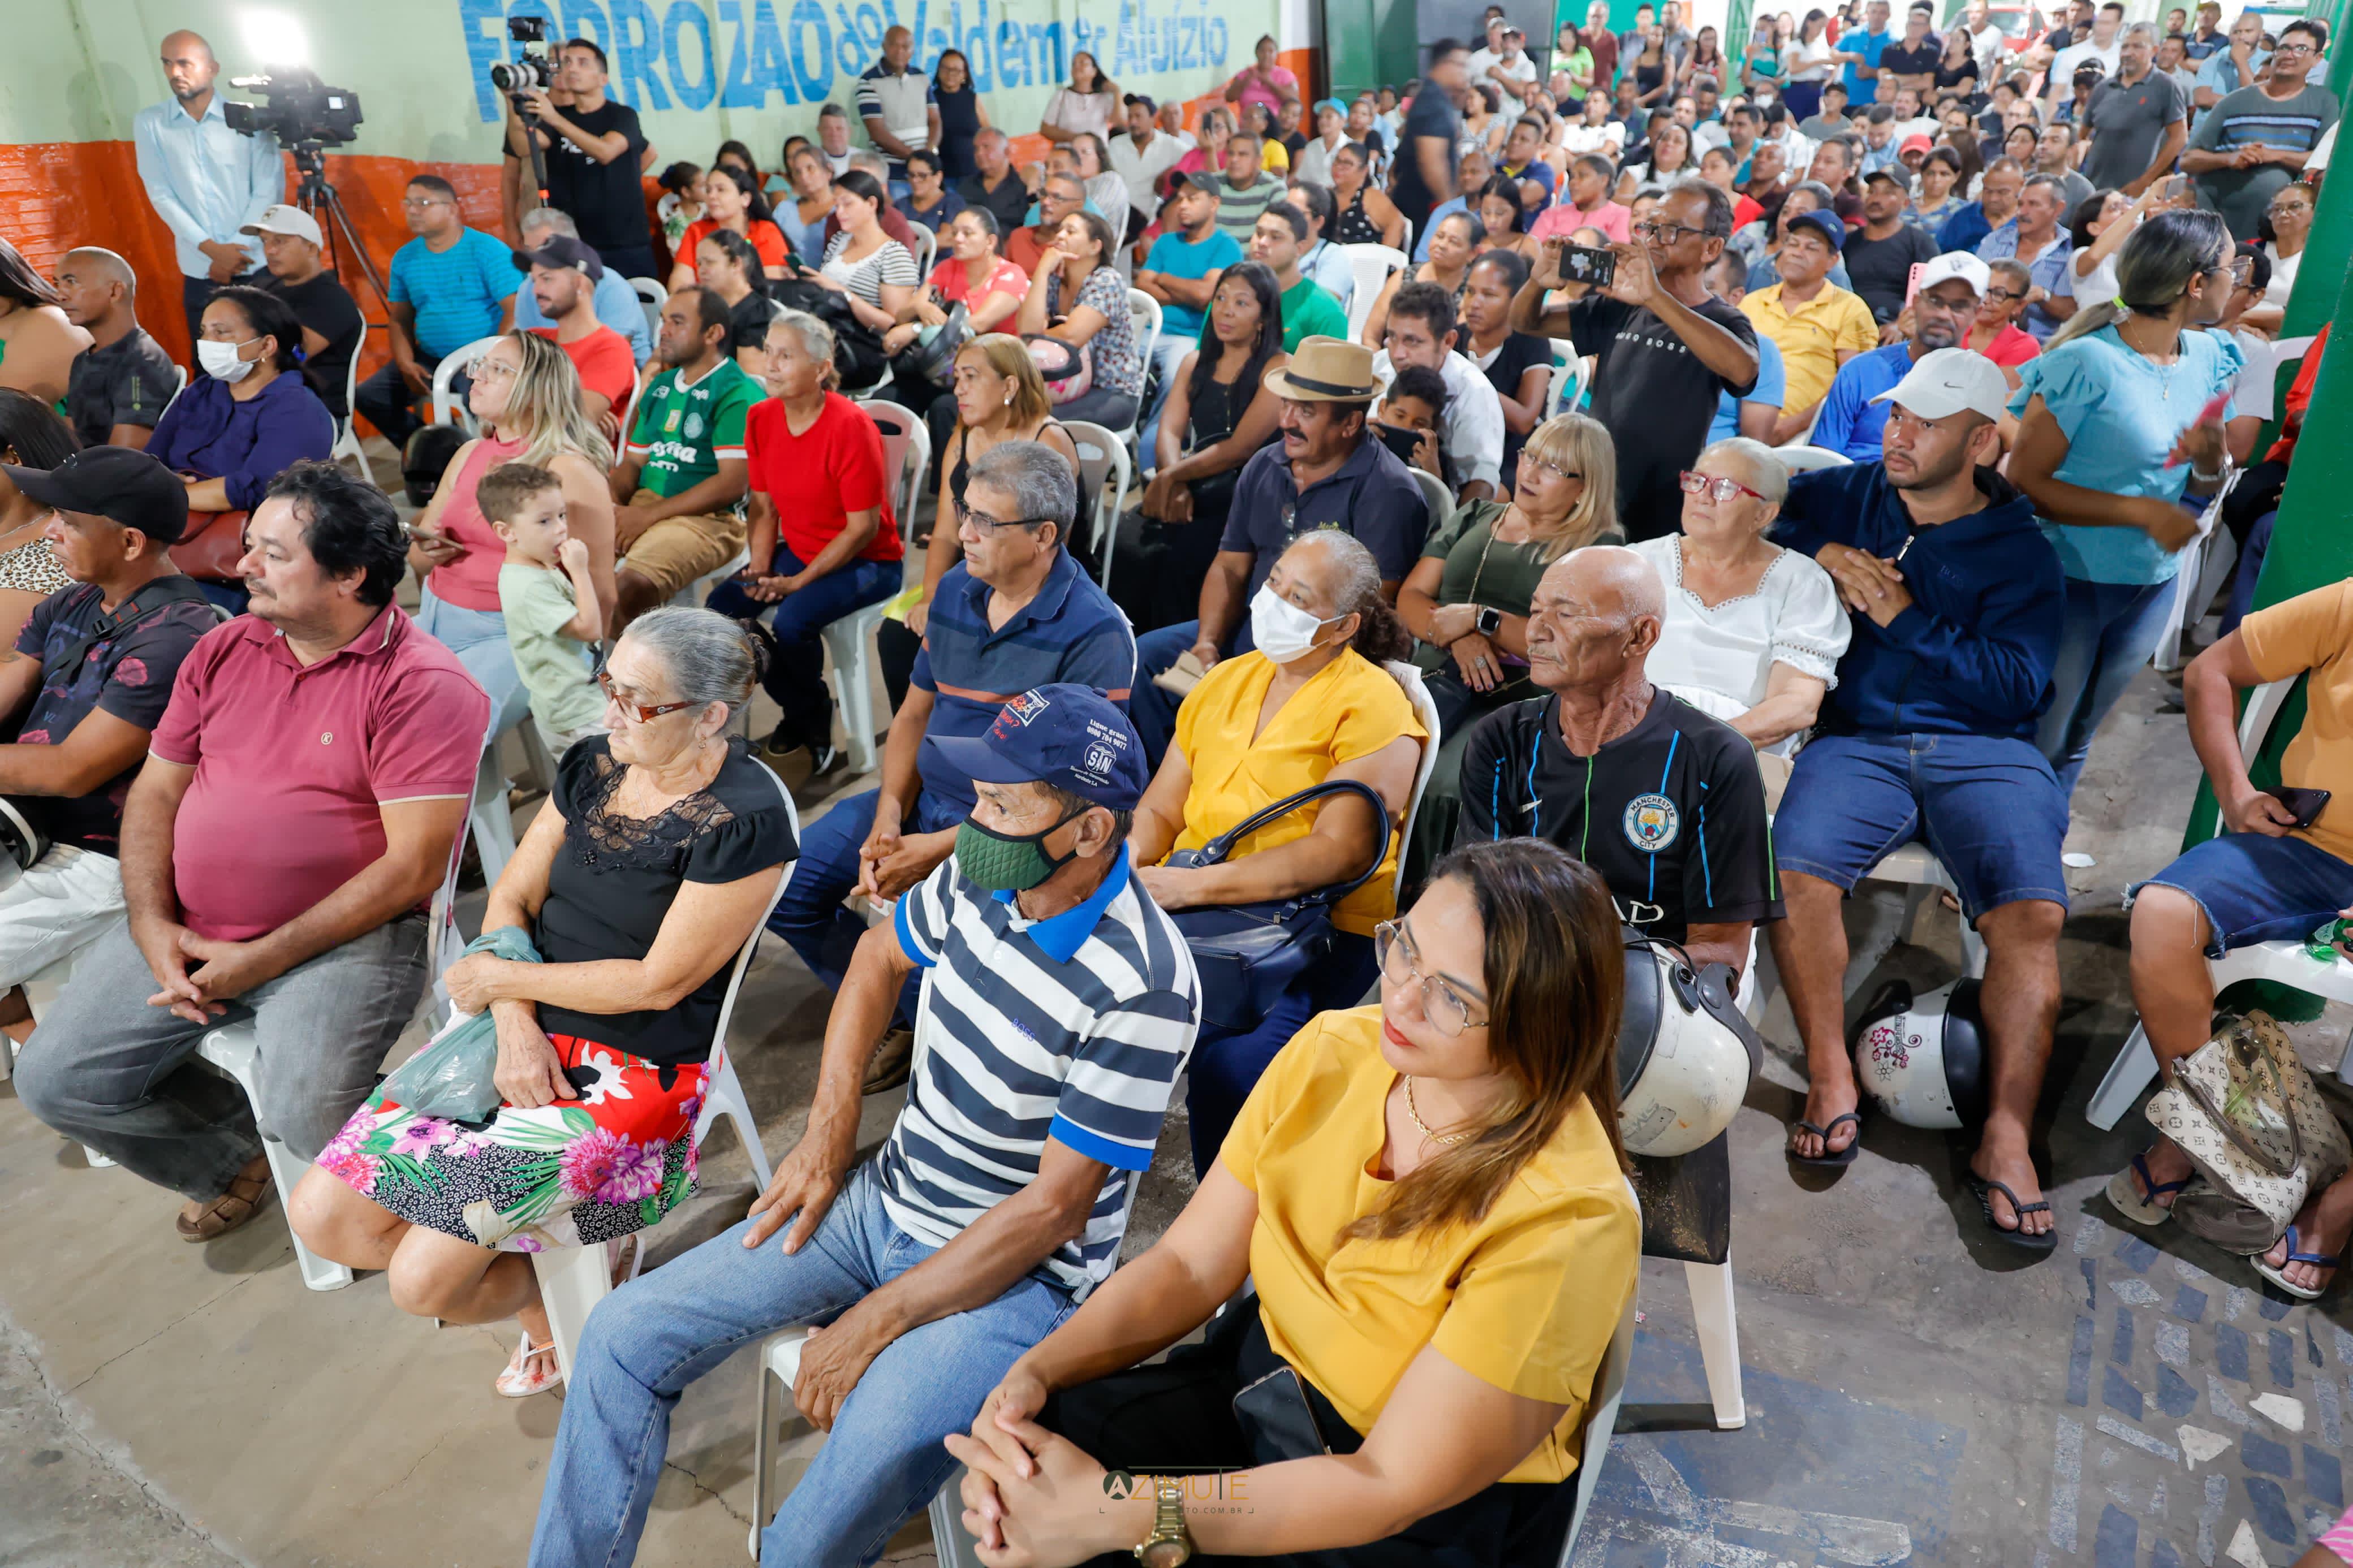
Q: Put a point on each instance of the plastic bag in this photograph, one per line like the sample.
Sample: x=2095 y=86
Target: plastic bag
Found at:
x=453 y=1076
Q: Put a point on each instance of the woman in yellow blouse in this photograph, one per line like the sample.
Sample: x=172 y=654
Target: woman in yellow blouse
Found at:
x=1310 y=702
x=1429 y=1195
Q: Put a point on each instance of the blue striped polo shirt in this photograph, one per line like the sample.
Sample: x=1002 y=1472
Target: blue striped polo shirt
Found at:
x=455 y=292
x=1073 y=1028
x=1069 y=631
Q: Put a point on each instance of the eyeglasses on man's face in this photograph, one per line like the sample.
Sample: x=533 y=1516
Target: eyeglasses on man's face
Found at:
x=1659 y=231
x=987 y=527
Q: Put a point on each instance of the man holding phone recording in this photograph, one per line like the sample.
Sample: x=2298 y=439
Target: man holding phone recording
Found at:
x=1666 y=348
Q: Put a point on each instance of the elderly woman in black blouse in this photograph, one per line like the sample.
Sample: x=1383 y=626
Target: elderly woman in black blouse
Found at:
x=654 y=860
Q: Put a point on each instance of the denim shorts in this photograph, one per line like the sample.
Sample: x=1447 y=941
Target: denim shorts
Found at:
x=1988 y=806
x=2257 y=889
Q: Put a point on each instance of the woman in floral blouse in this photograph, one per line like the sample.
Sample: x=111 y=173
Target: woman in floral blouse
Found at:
x=654 y=860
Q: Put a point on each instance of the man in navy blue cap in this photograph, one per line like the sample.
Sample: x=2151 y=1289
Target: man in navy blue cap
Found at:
x=1059 y=1004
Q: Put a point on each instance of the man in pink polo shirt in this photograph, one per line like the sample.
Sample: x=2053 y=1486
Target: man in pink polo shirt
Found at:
x=302 y=797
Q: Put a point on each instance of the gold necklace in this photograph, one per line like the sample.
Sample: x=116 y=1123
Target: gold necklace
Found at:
x=1441 y=1139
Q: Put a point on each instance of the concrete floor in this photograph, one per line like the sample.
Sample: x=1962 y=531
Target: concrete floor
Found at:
x=1915 y=1395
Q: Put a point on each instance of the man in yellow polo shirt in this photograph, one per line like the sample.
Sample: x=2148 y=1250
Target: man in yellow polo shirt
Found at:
x=1817 y=325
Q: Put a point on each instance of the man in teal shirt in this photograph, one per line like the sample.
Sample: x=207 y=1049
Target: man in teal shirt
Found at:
x=1180 y=271
x=1861 y=53
x=1308 y=308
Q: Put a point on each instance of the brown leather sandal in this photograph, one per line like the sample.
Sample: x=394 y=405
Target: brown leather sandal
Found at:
x=205 y=1221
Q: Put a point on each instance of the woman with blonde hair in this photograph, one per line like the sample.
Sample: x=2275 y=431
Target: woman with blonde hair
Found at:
x=1466 y=600
x=1431 y=1196
x=527 y=396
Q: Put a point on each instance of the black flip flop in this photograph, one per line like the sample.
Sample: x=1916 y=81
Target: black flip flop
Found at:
x=1835 y=1157
x=1984 y=1189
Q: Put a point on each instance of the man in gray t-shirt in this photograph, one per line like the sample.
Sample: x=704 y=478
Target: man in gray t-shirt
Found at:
x=2256 y=140
x=2139 y=119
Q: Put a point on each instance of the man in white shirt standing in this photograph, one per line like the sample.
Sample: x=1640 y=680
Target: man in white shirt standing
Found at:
x=204 y=181
x=1140 y=155
x=2103 y=45
x=1986 y=40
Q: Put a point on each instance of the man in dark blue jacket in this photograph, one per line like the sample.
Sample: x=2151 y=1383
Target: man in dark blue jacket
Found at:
x=1929 y=734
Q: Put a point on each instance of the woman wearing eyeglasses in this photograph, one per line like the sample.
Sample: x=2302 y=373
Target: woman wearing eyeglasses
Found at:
x=1430 y=1196
x=1995 y=331
x=645 y=872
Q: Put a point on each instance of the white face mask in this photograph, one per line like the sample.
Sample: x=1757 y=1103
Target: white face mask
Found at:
x=1280 y=629
x=219 y=360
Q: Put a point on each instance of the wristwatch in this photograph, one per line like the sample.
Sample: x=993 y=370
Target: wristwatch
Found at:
x=1168 y=1545
x=1490 y=621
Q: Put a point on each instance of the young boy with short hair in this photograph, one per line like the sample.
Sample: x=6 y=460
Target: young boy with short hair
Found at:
x=549 y=601
x=1416 y=402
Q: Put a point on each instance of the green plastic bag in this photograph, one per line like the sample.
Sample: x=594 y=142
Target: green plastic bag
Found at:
x=453 y=1077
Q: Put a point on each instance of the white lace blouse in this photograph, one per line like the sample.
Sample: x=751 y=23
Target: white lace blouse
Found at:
x=1792 y=618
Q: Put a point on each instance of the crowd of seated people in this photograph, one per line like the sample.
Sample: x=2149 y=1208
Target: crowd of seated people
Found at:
x=1862 y=512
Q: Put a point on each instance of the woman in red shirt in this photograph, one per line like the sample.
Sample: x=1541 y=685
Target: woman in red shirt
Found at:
x=824 y=539
x=732 y=200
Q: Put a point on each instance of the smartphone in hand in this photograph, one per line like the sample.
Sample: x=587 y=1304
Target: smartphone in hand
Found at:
x=1589 y=265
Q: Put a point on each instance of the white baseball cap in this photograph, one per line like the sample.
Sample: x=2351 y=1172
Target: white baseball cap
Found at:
x=285 y=219
x=1957 y=263
x=1947 y=381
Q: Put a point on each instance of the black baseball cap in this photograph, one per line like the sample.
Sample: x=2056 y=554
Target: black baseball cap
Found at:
x=112 y=482
x=1133 y=99
x=562 y=253
x=1203 y=179
x=1889 y=176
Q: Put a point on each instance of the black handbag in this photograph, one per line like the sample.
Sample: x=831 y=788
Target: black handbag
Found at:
x=1248 y=955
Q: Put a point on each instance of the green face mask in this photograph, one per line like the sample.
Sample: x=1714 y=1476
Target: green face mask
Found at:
x=1008 y=863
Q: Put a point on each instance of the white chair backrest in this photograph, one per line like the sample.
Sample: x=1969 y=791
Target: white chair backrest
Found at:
x=907 y=453
x=1104 y=472
x=1371 y=266
x=2264 y=704
x=351 y=375
x=1406 y=243
x=1601 y=1416
x=927 y=248
x=1567 y=385
x=182 y=372
x=1143 y=311
x=1441 y=504
x=1798 y=458
x=447 y=407
x=743 y=954
x=1425 y=707
x=652 y=295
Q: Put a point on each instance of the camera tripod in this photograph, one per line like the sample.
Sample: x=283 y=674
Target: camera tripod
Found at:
x=314 y=196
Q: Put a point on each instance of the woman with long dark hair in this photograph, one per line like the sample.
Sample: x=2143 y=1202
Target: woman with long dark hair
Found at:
x=37 y=344
x=1501 y=212
x=810 y=176
x=1077 y=296
x=1088 y=101
x=1431 y=1196
x=1218 y=413
x=2111 y=453
x=31 y=436
x=730 y=268
x=1809 y=61
x=962 y=115
x=731 y=201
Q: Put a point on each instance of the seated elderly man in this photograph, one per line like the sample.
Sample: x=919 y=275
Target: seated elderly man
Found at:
x=1327 y=471
x=1941 y=311
x=1059 y=1004
x=1661 y=799
x=1930 y=734
x=1753 y=632
x=82 y=689
x=1017 y=612
x=298 y=809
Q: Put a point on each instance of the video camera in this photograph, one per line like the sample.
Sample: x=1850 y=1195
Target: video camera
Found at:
x=300 y=108
x=530 y=69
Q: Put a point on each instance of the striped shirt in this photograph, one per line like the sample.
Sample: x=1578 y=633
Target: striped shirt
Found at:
x=1070 y=630
x=1073 y=1028
x=1238 y=206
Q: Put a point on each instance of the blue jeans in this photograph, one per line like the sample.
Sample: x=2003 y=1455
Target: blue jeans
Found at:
x=884 y=1459
x=1226 y=1065
x=2257 y=889
x=478 y=639
x=2111 y=630
x=809 y=915
x=795 y=677
x=1152 y=711
x=2249 y=571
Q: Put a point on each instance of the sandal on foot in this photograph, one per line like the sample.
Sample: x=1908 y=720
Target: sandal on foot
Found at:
x=2020 y=1239
x=2277 y=1276
x=2127 y=1197
x=1829 y=1156
x=203 y=1222
x=534 y=1370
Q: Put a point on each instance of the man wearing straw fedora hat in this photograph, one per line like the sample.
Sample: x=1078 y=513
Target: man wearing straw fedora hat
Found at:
x=1325 y=472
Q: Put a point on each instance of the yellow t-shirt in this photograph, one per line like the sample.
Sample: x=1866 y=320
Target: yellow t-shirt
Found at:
x=1349 y=708
x=1811 y=337
x=2314 y=631
x=1526 y=1299
x=1274 y=158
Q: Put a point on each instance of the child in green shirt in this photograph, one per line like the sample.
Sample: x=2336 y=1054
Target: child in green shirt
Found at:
x=549 y=601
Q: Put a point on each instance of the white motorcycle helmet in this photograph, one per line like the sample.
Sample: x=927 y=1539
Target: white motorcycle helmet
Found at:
x=21 y=843
x=1923 y=1060
x=1685 y=1055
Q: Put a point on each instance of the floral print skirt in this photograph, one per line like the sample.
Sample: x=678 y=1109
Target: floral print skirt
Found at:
x=573 y=1172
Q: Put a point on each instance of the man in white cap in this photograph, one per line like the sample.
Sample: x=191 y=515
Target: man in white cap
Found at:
x=1940 y=311
x=292 y=247
x=1929 y=733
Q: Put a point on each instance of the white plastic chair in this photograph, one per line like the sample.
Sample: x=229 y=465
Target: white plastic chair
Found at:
x=1105 y=471
x=695 y=594
x=1408 y=239
x=1799 y=458
x=347 y=435
x=1425 y=707
x=1566 y=388
x=652 y=295
x=447 y=406
x=182 y=371
x=927 y=249
x=1144 y=313
x=573 y=1279
x=1601 y=1415
x=907 y=453
x=1442 y=503
x=2286 y=962
x=1371 y=266
x=2206 y=564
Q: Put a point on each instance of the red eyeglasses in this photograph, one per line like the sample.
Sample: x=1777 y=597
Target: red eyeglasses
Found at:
x=1721 y=490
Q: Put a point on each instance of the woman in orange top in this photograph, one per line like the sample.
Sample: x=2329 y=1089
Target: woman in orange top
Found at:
x=732 y=200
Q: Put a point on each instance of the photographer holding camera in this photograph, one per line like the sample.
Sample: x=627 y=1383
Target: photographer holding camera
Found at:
x=203 y=180
x=594 y=149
